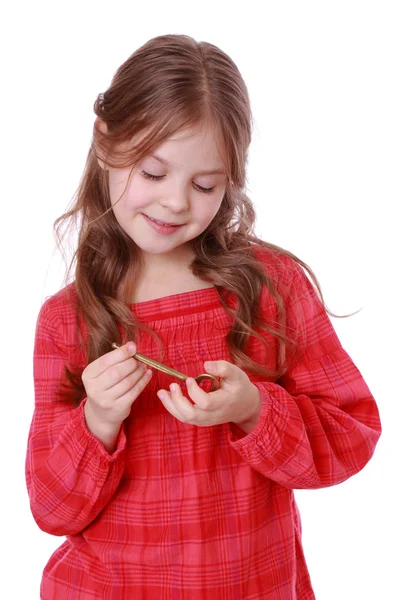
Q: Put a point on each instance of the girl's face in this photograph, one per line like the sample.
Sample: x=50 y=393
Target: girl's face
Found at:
x=181 y=184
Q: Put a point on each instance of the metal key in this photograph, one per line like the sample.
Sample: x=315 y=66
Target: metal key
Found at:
x=160 y=367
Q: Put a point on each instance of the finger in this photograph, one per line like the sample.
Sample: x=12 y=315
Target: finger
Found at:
x=222 y=368
x=205 y=400
x=166 y=400
x=176 y=403
x=133 y=392
x=99 y=366
x=115 y=374
x=127 y=383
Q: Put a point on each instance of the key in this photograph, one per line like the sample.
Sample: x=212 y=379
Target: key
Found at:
x=160 y=367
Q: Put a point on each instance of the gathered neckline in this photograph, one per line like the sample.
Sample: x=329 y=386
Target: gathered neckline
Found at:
x=177 y=304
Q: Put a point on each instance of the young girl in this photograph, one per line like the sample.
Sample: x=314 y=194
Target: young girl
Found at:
x=165 y=490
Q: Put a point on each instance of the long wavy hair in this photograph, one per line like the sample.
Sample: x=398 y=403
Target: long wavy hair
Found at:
x=170 y=83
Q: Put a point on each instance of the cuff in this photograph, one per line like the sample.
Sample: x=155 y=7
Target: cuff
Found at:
x=237 y=437
x=93 y=444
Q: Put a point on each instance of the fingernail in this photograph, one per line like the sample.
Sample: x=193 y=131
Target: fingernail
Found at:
x=131 y=347
x=209 y=366
x=160 y=395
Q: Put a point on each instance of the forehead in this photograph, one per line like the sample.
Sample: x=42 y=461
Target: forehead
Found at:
x=201 y=147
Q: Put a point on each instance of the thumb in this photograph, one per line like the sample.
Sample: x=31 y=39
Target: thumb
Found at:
x=222 y=368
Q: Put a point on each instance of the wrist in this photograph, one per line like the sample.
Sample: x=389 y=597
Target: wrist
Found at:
x=249 y=422
x=106 y=432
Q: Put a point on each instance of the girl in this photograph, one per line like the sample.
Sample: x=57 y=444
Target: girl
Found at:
x=166 y=490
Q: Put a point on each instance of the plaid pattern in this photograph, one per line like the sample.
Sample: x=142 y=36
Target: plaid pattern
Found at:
x=182 y=512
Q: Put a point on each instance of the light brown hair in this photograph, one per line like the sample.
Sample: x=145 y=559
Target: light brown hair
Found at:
x=171 y=83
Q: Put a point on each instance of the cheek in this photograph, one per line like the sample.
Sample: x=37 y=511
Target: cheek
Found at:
x=138 y=198
x=207 y=210
x=134 y=197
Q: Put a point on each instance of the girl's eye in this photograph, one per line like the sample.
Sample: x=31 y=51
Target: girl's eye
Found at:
x=149 y=176
x=158 y=177
x=203 y=189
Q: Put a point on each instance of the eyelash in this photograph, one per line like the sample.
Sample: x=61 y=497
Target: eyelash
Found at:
x=158 y=177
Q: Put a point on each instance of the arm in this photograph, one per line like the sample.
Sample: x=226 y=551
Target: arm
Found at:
x=319 y=424
x=70 y=475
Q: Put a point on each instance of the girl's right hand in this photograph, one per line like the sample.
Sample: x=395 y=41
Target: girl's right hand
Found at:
x=112 y=383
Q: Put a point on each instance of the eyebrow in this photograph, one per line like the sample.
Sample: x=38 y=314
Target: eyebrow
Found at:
x=205 y=172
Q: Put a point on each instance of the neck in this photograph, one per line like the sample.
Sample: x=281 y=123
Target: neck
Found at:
x=170 y=263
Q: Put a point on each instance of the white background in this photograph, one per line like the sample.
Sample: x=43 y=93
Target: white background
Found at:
x=323 y=78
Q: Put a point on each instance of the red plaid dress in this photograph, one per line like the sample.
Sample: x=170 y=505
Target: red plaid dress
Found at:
x=180 y=512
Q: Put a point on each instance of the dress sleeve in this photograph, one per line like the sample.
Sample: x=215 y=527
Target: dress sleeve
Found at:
x=70 y=476
x=319 y=422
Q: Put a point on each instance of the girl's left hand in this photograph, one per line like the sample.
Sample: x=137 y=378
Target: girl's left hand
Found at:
x=236 y=401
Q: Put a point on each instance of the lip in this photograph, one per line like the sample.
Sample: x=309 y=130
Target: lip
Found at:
x=166 y=224
x=163 y=229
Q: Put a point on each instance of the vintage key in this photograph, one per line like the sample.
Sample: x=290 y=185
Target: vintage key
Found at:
x=160 y=367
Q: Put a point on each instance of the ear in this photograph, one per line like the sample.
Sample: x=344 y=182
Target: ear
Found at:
x=101 y=126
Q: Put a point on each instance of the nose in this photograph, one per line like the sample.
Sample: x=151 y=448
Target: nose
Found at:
x=177 y=199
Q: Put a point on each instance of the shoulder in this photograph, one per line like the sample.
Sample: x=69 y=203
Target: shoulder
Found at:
x=292 y=284
x=61 y=304
x=58 y=317
x=281 y=266
x=306 y=317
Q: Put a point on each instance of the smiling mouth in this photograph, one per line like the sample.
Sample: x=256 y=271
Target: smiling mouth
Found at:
x=164 y=223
